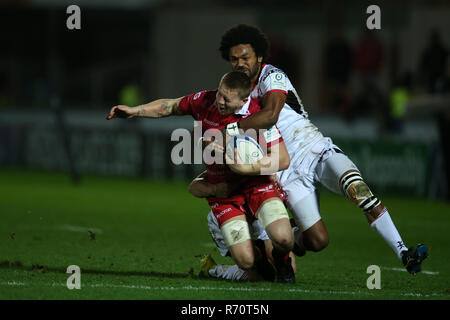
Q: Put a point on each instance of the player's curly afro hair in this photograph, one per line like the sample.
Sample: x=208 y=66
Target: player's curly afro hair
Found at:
x=244 y=34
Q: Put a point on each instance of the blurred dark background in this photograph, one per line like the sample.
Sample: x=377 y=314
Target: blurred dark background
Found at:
x=383 y=95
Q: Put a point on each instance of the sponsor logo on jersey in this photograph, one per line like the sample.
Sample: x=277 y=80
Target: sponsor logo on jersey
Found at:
x=223 y=212
x=211 y=123
x=272 y=71
x=197 y=95
x=266 y=189
x=277 y=81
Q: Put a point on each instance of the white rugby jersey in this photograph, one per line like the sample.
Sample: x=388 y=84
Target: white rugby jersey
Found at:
x=274 y=79
x=299 y=134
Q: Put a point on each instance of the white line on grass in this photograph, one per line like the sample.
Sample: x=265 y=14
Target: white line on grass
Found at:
x=14 y=283
x=404 y=270
x=80 y=229
x=245 y=289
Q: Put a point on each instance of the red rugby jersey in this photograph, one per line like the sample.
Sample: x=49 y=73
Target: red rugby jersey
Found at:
x=202 y=106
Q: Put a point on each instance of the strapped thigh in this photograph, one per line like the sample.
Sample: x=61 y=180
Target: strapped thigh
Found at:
x=235 y=231
x=272 y=210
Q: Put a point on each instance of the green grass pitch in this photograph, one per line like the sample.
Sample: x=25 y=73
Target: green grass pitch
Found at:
x=140 y=239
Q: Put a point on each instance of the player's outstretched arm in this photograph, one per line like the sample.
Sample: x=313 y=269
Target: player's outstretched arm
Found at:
x=155 y=109
x=277 y=159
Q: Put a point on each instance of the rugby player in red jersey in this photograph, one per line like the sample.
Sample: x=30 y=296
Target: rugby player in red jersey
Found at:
x=257 y=198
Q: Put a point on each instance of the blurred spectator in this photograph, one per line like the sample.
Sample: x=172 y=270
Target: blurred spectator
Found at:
x=370 y=100
x=130 y=95
x=433 y=64
x=400 y=95
x=369 y=57
x=369 y=54
x=285 y=58
x=338 y=66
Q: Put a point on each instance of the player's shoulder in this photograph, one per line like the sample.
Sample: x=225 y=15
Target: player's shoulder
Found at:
x=204 y=95
x=201 y=99
x=197 y=103
x=268 y=70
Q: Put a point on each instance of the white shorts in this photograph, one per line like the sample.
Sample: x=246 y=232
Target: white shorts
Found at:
x=256 y=231
x=325 y=166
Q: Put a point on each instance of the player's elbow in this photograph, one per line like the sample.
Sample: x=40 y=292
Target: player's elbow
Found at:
x=191 y=190
x=272 y=118
x=194 y=189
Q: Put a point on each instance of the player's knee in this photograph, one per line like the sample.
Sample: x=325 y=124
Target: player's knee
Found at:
x=280 y=233
x=282 y=238
x=275 y=220
x=236 y=235
x=245 y=260
x=358 y=191
x=286 y=244
x=319 y=243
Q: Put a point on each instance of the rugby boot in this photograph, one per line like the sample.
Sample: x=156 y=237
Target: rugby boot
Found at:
x=283 y=267
x=413 y=257
x=262 y=264
x=206 y=263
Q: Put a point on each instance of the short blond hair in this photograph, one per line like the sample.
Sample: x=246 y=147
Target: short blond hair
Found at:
x=237 y=80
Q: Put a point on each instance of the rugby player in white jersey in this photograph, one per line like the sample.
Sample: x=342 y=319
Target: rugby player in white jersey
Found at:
x=314 y=158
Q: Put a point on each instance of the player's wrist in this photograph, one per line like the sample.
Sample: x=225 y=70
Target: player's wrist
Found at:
x=232 y=129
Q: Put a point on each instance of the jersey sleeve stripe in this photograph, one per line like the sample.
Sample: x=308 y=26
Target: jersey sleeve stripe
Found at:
x=276 y=90
x=272 y=143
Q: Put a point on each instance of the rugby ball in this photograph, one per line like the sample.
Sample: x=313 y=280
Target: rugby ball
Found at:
x=248 y=149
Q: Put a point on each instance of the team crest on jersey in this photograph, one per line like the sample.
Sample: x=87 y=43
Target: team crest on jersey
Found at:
x=197 y=95
x=277 y=81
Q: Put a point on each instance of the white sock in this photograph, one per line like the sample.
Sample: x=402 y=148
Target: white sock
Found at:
x=228 y=272
x=386 y=228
